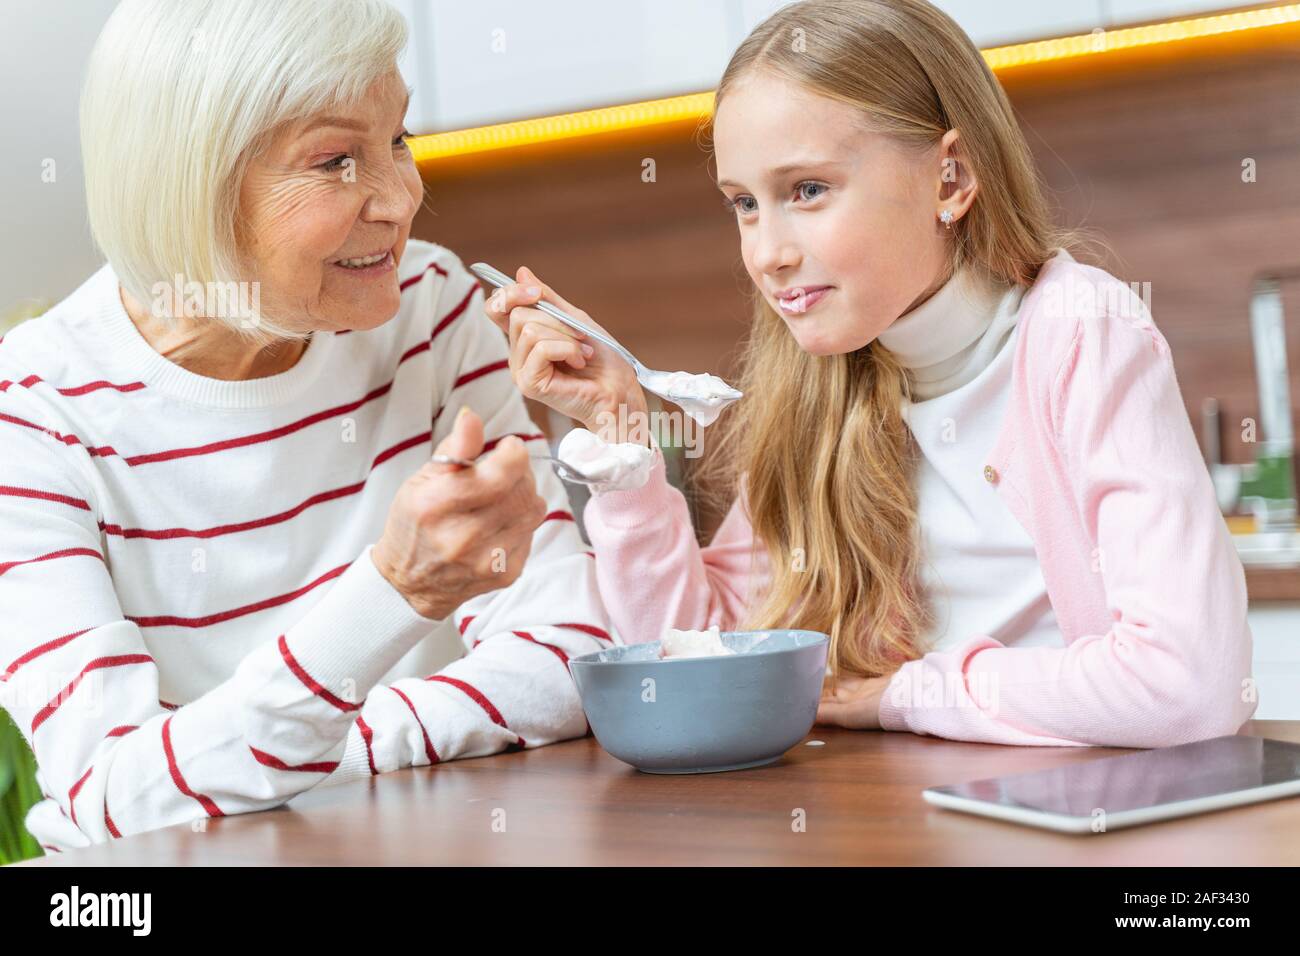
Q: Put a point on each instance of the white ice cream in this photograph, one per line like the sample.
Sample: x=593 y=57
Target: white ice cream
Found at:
x=623 y=466
x=702 y=396
x=797 y=303
x=693 y=644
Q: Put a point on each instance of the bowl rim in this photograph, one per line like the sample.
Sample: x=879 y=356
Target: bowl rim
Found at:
x=587 y=659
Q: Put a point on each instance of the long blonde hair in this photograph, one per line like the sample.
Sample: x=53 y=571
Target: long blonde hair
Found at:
x=825 y=458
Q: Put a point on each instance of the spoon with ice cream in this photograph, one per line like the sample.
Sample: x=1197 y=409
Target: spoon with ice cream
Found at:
x=702 y=396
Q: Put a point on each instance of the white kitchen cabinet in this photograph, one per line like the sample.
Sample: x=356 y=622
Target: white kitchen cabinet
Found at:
x=496 y=60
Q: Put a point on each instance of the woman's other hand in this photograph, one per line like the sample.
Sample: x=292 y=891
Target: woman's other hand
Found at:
x=558 y=366
x=453 y=533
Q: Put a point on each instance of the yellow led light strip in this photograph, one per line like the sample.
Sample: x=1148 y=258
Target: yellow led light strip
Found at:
x=1126 y=38
x=565 y=126
x=698 y=106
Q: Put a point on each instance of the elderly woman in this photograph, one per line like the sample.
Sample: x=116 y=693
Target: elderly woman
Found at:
x=225 y=557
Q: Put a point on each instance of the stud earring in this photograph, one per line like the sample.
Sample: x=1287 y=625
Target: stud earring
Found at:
x=946 y=218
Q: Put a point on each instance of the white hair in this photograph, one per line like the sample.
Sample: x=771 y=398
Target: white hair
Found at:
x=179 y=95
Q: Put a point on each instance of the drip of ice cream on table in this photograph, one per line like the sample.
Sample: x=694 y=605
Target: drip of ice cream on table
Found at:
x=616 y=466
x=686 y=643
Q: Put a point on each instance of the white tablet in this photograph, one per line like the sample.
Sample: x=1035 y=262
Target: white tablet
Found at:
x=1131 y=789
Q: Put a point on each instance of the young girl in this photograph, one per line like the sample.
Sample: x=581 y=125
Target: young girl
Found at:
x=961 y=453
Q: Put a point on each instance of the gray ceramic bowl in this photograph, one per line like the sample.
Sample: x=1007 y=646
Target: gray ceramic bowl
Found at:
x=704 y=714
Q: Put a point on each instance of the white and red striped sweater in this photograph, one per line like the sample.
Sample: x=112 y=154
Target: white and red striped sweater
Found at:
x=190 y=621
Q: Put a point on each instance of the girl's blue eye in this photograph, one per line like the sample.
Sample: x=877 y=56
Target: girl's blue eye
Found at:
x=803 y=187
x=741 y=204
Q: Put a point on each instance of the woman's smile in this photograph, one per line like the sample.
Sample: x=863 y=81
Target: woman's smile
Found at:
x=367 y=267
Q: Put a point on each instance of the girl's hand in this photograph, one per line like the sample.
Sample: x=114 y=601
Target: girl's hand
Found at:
x=855 y=705
x=556 y=365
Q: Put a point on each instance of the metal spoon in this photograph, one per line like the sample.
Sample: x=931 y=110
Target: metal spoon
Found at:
x=653 y=380
x=562 y=468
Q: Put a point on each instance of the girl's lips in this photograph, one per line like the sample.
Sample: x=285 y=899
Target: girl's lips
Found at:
x=805 y=300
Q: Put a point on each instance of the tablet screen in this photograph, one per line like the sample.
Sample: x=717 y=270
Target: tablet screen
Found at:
x=1144 y=779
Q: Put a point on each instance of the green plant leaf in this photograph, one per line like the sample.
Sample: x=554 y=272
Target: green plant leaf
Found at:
x=18 y=793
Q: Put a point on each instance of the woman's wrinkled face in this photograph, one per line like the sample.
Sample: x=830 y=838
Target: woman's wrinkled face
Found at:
x=326 y=211
x=838 y=225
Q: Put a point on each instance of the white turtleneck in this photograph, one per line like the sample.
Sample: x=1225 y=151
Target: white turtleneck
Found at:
x=980 y=569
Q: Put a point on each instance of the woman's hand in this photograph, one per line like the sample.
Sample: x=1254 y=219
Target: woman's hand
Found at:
x=557 y=366
x=855 y=704
x=453 y=532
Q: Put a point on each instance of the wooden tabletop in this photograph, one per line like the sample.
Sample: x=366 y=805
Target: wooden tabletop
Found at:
x=572 y=803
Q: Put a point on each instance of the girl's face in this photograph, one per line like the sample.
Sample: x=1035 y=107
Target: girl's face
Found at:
x=827 y=209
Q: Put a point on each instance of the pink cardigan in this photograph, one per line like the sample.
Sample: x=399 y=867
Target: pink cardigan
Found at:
x=1097 y=461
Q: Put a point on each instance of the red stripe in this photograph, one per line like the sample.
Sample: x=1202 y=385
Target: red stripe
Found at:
x=477 y=696
x=588 y=629
x=108 y=821
x=243 y=441
x=464 y=625
x=259 y=437
x=273 y=433
x=167 y=620
x=43 y=496
x=310 y=682
x=550 y=647
x=367 y=735
x=211 y=447
x=101 y=451
x=480 y=372
x=267 y=760
x=206 y=802
x=322 y=497
x=121 y=731
x=164 y=704
x=415 y=349
x=559 y=516
x=65 y=553
x=432 y=266
x=428 y=744
x=76 y=789
x=51 y=848
x=75 y=390
x=453 y=314
x=522 y=436
x=38 y=651
x=98 y=664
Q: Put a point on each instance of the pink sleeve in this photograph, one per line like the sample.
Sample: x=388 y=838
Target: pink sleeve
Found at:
x=652 y=573
x=1175 y=664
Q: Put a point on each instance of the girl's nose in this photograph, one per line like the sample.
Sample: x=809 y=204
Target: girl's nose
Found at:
x=774 y=250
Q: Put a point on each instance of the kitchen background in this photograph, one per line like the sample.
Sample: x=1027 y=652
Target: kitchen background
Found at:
x=1178 y=145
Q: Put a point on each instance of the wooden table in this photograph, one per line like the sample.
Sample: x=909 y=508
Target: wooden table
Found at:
x=572 y=803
